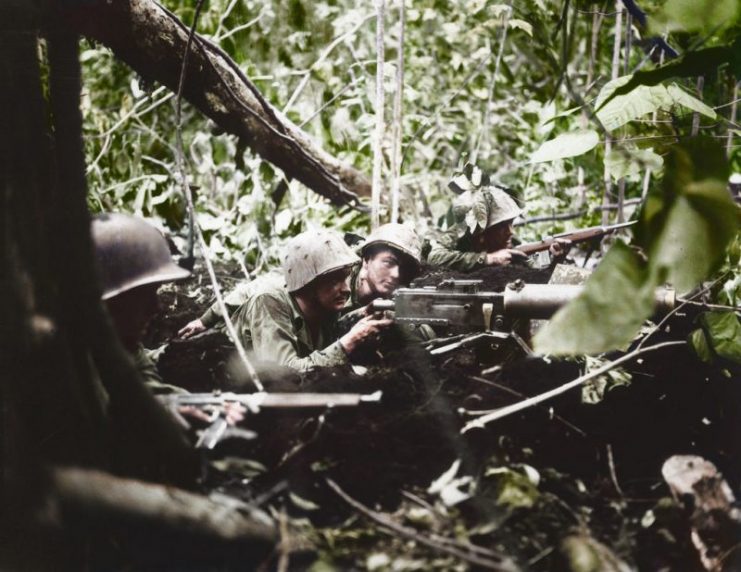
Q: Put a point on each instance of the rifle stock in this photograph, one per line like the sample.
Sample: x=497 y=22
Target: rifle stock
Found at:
x=575 y=236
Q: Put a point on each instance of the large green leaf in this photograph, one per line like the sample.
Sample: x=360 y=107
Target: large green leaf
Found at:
x=723 y=331
x=616 y=300
x=686 y=227
x=695 y=15
x=692 y=64
x=566 y=145
x=616 y=110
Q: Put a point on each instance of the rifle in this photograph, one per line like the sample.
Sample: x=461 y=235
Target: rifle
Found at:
x=461 y=304
x=253 y=402
x=575 y=236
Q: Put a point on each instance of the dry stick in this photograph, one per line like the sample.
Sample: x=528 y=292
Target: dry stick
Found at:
x=538 y=399
x=521 y=396
x=396 y=132
x=377 y=180
x=729 y=142
x=251 y=373
x=613 y=474
x=411 y=534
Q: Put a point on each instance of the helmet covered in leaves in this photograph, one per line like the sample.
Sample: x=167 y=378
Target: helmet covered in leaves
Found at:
x=313 y=253
x=130 y=253
x=398 y=236
x=481 y=204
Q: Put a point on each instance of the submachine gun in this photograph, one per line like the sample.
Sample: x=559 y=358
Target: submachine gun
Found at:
x=215 y=401
x=460 y=306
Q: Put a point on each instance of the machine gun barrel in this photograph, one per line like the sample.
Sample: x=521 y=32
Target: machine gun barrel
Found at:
x=459 y=303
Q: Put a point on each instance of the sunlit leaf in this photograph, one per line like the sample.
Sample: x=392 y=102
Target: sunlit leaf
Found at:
x=616 y=300
x=566 y=145
x=616 y=110
x=631 y=163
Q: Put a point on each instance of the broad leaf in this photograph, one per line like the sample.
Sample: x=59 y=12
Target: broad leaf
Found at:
x=692 y=64
x=723 y=331
x=616 y=300
x=616 y=110
x=686 y=227
x=699 y=343
x=630 y=163
x=566 y=145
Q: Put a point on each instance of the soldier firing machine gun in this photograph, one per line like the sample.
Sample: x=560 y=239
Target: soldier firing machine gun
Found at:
x=460 y=305
x=217 y=400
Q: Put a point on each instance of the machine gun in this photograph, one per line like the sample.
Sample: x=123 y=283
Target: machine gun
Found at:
x=461 y=305
x=217 y=400
x=575 y=236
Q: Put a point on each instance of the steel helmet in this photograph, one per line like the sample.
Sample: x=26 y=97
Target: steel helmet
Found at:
x=483 y=208
x=131 y=252
x=313 y=253
x=398 y=236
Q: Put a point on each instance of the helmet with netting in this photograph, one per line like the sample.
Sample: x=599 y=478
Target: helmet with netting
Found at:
x=313 y=253
x=130 y=253
x=398 y=236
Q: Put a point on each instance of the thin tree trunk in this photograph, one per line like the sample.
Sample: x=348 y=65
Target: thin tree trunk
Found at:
x=397 y=131
x=377 y=184
x=695 y=115
x=614 y=74
x=734 y=108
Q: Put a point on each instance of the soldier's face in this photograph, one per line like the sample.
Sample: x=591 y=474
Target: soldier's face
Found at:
x=498 y=236
x=132 y=311
x=383 y=271
x=332 y=290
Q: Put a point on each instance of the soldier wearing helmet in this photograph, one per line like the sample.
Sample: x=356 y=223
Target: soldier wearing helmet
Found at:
x=391 y=257
x=294 y=323
x=482 y=232
x=133 y=261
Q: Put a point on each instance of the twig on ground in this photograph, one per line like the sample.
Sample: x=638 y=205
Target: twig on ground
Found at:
x=521 y=396
x=385 y=522
x=533 y=401
x=613 y=474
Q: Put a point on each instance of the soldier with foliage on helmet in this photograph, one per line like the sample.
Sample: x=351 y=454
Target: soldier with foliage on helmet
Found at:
x=481 y=231
x=133 y=261
x=293 y=322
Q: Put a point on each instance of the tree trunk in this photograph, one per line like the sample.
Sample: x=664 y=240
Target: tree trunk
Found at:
x=152 y=41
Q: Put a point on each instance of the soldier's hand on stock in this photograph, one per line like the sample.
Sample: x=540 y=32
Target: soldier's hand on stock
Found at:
x=233 y=412
x=559 y=249
x=367 y=330
x=504 y=257
x=191 y=329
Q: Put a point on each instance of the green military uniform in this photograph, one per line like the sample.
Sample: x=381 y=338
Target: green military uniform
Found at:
x=233 y=301
x=270 y=322
x=453 y=249
x=149 y=374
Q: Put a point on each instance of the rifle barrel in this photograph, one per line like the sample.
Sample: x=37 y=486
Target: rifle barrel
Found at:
x=575 y=236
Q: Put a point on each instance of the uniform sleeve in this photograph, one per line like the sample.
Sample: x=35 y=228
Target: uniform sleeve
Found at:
x=150 y=376
x=212 y=316
x=274 y=338
x=448 y=257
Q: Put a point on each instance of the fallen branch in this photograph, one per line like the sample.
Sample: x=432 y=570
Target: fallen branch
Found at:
x=503 y=564
x=152 y=41
x=538 y=399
